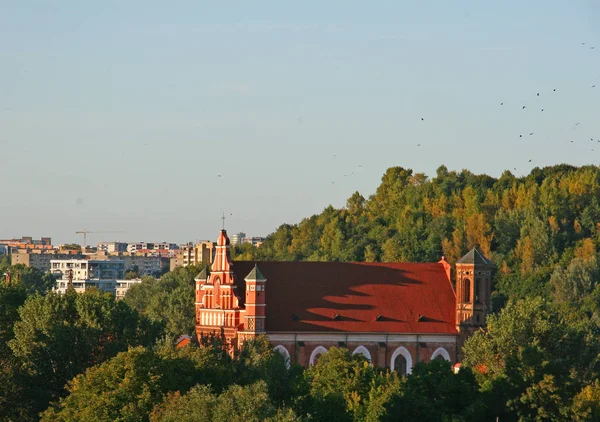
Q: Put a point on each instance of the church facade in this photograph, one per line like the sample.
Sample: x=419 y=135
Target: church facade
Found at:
x=395 y=314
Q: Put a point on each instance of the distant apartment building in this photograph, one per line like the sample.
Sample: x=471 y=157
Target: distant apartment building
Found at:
x=100 y=274
x=145 y=264
x=254 y=241
x=236 y=239
x=201 y=253
x=160 y=248
x=112 y=247
x=41 y=258
x=177 y=260
x=26 y=242
x=123 y=287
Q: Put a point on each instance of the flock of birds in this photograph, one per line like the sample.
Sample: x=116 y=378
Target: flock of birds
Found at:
x=523 y=107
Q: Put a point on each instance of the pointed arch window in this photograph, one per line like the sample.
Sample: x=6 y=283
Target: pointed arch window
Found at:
x=466 y=290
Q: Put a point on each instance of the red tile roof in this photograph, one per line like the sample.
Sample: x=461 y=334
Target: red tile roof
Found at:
x=366 y=297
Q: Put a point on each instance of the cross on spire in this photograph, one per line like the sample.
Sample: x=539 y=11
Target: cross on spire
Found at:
x=223 y=218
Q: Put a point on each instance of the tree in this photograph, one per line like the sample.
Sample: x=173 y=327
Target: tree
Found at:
x=124 y=388
x=169 y=300
x=456 y=396
x=32 y=279
x=133 y=273
x=250 y=403
x=343 y=386
x=586 y=404
x=530 y=362
x=59 y=336
x=577 y=281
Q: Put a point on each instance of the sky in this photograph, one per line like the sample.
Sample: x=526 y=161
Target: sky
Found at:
x=151 y=119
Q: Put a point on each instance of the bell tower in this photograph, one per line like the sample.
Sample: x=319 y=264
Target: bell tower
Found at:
x=473 y=291
x=254 y=317
x=217 y=302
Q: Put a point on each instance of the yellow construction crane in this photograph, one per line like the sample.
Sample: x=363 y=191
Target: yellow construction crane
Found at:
x=86 y=232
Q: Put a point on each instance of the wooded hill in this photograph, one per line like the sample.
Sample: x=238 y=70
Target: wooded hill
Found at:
x=525 y=225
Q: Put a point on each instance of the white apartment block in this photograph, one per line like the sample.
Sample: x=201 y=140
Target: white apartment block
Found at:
x=87 y=274
x=236 y=239
x=124 y=285
x=112 y=247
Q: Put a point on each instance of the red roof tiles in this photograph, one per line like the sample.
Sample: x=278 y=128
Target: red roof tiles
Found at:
x=366 y=297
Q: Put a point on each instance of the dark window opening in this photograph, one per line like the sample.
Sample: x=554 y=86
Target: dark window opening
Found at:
x=400 y=365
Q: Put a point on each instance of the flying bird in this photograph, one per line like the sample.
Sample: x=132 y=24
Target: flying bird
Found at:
x=554 y=90
x=530 y=161
x=538 y=94
x=520 y=136
x=422 y=119
x=542 y=109
x=531 y=134
x=501 y=103
x=523 y=108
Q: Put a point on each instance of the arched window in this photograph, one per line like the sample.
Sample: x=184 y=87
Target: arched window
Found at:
x=440 y=353
x=466 y=290
x=363 y=351
x=402 y=365
x=314 y=356
x=286 y=355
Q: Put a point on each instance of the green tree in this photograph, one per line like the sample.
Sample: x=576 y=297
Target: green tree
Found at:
x=456 y=396
x=168 y=300
x=249 y=403
x=125 y=388
x=530 y=361
x=32 y=279
x=59 y=336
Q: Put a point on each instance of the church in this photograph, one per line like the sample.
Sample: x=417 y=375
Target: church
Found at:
x=394 y=314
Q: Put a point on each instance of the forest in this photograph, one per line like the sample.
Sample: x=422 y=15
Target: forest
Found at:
x=80 y=357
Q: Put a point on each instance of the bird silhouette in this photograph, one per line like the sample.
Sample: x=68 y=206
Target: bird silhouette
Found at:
x=554 y=90
x=501 y=103
x=422 y=119
x=530 y=161
x=520 y=136
x=531 y=134
x=538 y=94
x=523 y=108
x=593 y=86
x=542 y=109
x=219 y=175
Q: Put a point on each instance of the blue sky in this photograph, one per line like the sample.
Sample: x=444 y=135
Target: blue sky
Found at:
x=121 y=115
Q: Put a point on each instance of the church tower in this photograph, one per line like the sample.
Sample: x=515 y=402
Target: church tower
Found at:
x=217 y=302
x=256 y=302
x=473 y=291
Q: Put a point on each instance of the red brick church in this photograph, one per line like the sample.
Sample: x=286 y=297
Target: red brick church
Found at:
x=395 y=314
